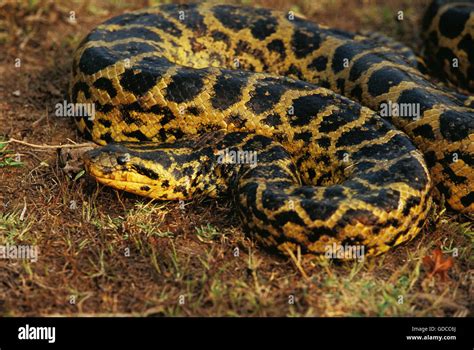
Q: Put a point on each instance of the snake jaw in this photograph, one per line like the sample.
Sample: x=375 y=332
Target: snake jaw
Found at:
x=124 y=169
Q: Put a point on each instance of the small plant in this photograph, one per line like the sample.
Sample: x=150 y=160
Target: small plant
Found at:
x=7 y=157
x=207 y=233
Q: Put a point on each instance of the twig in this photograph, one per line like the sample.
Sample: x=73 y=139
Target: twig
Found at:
x=76 y=145
x=297 y=262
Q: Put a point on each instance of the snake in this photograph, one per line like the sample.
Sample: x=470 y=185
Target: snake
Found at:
x=318 y=136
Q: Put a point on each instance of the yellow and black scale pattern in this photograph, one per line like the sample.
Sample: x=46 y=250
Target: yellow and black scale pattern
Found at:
x=178 y=85
x=448 y=30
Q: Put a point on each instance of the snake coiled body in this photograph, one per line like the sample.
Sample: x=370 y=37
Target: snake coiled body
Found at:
x=182 y=88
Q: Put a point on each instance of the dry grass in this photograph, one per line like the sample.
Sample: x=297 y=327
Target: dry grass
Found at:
x=104 y=252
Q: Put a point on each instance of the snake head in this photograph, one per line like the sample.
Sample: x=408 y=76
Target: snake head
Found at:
x=149 y=171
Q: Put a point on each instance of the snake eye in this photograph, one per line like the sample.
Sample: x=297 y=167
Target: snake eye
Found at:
x=123 y=159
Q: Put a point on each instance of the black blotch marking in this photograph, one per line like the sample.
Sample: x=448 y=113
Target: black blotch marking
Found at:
x=408 y=171
x=325 y=159
x=430 y=158
x=277 y=46
x=228 y=90
x=104 y=108
x=137 y=83
x=232 y=139
x=424 y=99
x=257 y=142
x=294 y=71
x=137 y=134
x=397 y=146
x=340 y=82
x=317 y=232
x=306 y=107
x=249 y=191
x=94 y=59
x=425 y=131
x=456 y=126
x=370 y=130
x=346 y=51
x=232 y=17
x=347 y=112
x=306 y=192
x=383 y=79
x=107 y=137
x=105 y=122
x=362 y=64
x=357 y=186
x=335 y=192
x=356 y=93
x=430 y=13
x=145 y=188
x=145 y=171
x=386 y=199
x=319 y=210
x=154 y=65
x=185 y=85
x=468 y=199
x=364 y=165
x=324 y=84
x=272 y=200
x=127 y=116
x=467 y=45
x=272 y=120
x=306 y=39
x=319 y=63
x=311 y=174
x=452 y=22
x=80 y=86
x=453 y=176
x=266 y=95
x=245 y=47
x=220 y=36
x=263 y=27
x=236 y=119
x=165 y=112
x=188 y=171
x=324 y=142
x=354 y=216
x=304 y=135
x=194 y=110
x=273 y=154
x=192 y=18
x=288 y=216
x=410 y=203
x=106 y=84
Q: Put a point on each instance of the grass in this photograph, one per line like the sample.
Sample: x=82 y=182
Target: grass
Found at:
x=7 y=157
x=14 y=226
x=103 y=252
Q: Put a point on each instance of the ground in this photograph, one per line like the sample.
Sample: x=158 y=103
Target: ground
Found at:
x=103 y=252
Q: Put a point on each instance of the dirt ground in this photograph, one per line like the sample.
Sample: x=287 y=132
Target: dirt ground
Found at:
x=103 y=252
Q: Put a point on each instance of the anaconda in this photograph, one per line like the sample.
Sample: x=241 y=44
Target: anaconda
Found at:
x=279 y=113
